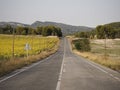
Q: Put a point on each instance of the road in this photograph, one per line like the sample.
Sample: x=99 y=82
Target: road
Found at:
x=42 y=75
x=81 y=74
x=62 y=71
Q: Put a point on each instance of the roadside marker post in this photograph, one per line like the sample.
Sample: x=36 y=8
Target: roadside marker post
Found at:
x=27 y=48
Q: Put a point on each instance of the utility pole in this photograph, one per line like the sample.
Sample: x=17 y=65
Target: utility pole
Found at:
x=44 y=44
x=105 y=47
x=39 y=42
x=13 y=42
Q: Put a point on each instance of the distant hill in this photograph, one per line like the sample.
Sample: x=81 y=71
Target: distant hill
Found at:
x=13 y=24
x=115 y=25
x=66 y=29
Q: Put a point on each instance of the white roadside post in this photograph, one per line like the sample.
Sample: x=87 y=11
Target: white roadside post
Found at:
x=27 y=48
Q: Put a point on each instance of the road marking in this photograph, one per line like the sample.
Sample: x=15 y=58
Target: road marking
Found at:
x=92 y=64
x=103 y=71
x=117 y=78
x=111 y=75
x=64 y=70
x=97 y=67
x=61 y=70
x=23 y=69
x=10 y=76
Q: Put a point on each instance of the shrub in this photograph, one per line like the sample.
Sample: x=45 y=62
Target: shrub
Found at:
x=82 y=44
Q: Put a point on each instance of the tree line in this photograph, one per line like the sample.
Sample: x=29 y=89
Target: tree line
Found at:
x=42 y=30
x=101 y=32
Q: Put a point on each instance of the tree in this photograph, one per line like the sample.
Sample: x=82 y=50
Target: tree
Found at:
x=51 y=30
x=104 y=31
x=39 y=30
x=43 y=30
x=1 y=30
x=117 y=33
x=59 y=32
x=99 y=32
x=7 y=29
x=83 y=34
x=19 y=30
x=82 y=44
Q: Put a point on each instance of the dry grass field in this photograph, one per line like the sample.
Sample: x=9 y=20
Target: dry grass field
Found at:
x=112 y=49
x=107 y=55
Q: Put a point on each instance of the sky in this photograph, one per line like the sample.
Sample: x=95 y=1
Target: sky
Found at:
x=74 y=12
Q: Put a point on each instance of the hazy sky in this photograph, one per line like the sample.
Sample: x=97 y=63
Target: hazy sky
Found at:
x=74 y=12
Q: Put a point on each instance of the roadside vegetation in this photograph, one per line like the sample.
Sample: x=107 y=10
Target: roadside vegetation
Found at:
x=39 y=48
x=37 y=44
x=82 y=44
x=109 y=57
x=109 y=31
x=104 y=43
x=21 y=46
x=41 y=30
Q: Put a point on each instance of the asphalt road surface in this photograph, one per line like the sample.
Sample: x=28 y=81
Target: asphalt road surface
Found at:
x=62 y=71
x=81 y=74
x=42 y=75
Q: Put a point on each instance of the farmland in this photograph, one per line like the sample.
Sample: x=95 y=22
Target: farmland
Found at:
x=39 y=48
x=112 y=49
x=105 y=52
x=37 y=45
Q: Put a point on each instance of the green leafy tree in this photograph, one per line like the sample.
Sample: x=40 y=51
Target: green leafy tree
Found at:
x=39 y=30
x=7 y=29
x=82 y=44
x=19 y=30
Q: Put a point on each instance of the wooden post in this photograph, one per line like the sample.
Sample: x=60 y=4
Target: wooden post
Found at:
x=13 y=44
x=105 y=47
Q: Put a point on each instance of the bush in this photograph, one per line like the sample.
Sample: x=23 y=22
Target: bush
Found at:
x=82 y=44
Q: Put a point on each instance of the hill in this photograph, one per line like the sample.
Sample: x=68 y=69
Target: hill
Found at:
x=13 y=24
x=115 y=25
x=66 y=29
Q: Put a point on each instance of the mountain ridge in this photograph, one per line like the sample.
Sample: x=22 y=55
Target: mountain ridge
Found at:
x=66 y=28
x=115 y=25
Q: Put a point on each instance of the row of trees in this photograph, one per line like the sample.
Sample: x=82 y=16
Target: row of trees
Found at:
x=101 y=32
x=43 y=30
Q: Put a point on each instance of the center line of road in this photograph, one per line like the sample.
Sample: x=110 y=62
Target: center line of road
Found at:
x=61 y=70
x=64 y=70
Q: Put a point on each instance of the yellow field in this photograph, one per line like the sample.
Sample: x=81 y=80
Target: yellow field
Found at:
x=37 y=45
x=41 y=47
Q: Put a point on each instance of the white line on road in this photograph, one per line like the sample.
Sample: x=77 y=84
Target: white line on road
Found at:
x=64 y=70
x=22 y=70
x=61 y=70
x=103 y=71
x=10 y=76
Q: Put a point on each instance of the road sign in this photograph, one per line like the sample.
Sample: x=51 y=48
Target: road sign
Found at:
x=27 y=48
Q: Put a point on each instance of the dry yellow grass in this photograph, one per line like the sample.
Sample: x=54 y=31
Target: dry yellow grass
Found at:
x=11 y=65
x=99 y=58
x=106 y=61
